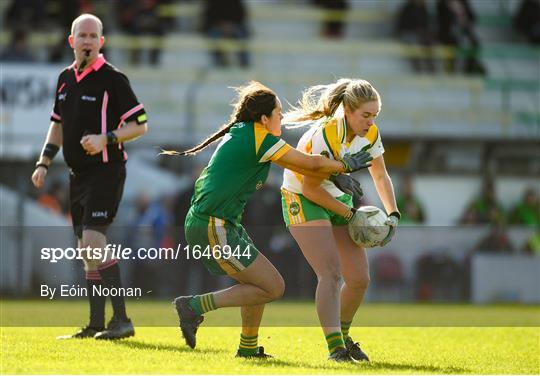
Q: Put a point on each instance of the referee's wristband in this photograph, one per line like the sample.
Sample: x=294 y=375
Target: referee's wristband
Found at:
x=395 y=214
x=111 y=138
x=50 y=150
x=42 y=165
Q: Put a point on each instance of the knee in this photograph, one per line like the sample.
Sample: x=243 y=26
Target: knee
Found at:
x=358 y=282
x=276 y=289
x=331 y=276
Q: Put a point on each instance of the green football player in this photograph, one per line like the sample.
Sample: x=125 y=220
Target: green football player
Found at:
x=240 y=165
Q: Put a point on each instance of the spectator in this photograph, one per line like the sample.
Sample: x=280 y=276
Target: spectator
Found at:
x=25 y=14
x=413 y=27
x=532 y=245
x=334 y=17
x=456 y=29
x=410 y=207
x=55 y=199
x=527 y=20
x=484 y=208
x=151 y=222
x=149 y=229
x=18 y=50
x=226 y=20
x=64 y=13
x=496 y=241
x=527 y=211
x=142 y=18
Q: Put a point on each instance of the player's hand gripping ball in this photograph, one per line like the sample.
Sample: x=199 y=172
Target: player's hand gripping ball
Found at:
x=369 y=227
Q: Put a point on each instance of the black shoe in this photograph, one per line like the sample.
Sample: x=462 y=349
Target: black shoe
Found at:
x=259 y=354
x=341 y=355
x=117 y=329
x=189 y=320
x=86 y=332
x=355 y=351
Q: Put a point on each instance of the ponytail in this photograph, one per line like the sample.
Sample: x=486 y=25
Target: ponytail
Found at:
x=194 y=150
x=323 y=100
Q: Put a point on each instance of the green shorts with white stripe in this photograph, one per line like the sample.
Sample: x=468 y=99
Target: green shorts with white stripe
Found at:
x=223 y=247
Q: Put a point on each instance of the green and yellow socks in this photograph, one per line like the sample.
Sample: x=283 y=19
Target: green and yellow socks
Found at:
x=248 y=345
x=203 y=303
x=345 y=326
x=334 y=341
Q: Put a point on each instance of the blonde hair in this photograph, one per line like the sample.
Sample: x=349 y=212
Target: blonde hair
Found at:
x=83 y=17
x=253 y=101
x=323 y=100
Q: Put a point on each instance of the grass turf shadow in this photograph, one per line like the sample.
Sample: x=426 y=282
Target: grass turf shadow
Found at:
x=404 y=367
x=134 y=344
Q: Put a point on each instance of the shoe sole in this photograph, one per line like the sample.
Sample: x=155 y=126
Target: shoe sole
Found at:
x=63 y=338
x=127 y=335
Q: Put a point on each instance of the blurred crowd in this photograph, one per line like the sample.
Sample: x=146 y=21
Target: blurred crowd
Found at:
x=449 y=23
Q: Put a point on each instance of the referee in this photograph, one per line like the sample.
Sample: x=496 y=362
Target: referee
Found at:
x=95 y=112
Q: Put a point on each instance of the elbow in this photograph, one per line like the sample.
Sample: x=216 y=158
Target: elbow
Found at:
x=317 y=164
x=143 y=129
x=381 y=177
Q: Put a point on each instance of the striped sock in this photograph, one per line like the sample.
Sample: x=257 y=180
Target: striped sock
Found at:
x=335 y=341
x=345 y=326
x=203 y=303
x=248 y=345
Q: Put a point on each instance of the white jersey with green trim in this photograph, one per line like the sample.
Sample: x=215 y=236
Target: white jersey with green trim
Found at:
x=328 y=137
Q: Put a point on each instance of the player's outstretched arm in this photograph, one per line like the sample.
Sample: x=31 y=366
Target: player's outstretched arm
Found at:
x=309 y=165
x=321 y=166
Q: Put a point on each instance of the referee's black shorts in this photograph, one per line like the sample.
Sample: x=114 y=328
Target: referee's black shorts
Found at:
x=94 y=196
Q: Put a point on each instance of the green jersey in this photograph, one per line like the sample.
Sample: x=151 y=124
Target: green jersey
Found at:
x=238 y=167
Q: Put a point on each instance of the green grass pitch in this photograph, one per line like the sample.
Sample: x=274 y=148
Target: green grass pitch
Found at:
x=424 y=348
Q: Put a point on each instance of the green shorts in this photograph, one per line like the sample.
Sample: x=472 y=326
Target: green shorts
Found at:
x=223 y=247
x=298 y=209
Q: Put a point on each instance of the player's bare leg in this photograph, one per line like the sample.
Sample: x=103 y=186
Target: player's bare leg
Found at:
x=316 y=240
x=355 y=271
x=260 y=283
x=251 y=322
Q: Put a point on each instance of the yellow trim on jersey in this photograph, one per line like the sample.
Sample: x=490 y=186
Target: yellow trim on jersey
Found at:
x=281 y=152
x=372 y=134
x=260 y=133
x=342 y=129
x=331 y=137
x=291 y=197
x=275 y=152
x=309 y=146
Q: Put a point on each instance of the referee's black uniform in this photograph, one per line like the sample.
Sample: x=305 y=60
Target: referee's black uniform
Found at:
x=95 y=102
